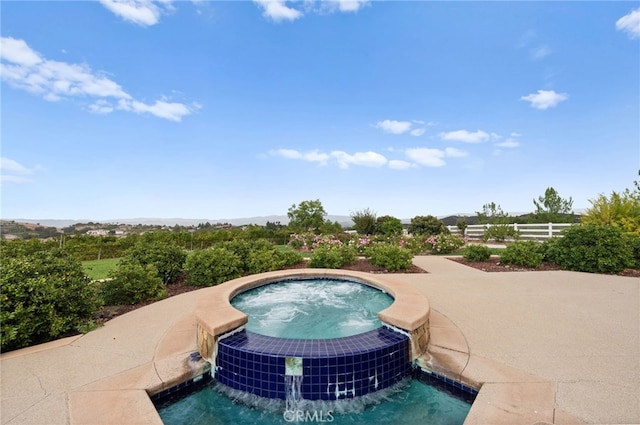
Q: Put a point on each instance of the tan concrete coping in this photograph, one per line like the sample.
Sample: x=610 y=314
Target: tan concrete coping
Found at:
x=124 y=398
x=409 y=310
x=506 y=395
x=215 y=315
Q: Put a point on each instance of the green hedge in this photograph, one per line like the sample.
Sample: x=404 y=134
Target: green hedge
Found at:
x=45 y=295
x=593 y=248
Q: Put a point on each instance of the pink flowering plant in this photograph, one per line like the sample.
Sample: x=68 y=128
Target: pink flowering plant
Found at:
x=443 y=243
x=331 y=253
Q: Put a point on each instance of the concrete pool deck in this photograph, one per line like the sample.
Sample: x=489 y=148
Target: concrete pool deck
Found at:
x=547 y=347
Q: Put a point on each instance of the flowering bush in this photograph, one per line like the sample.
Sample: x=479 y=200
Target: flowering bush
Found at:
x=360 y=243
x=301 y=241
x=332 y=255
x=444 y=244
x=413 y=244
x=391 y=257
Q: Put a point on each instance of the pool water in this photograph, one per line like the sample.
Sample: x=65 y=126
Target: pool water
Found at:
x=312 y=308
x=411 y=402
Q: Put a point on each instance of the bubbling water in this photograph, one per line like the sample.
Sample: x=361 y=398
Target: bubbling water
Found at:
x=312 y=308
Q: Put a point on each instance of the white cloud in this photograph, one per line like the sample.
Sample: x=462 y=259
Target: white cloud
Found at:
x=101 y=106
x=172 y=111
x=14 y=172
x=311 y=156
x=140 y=12
x=278 y=11
x=426 y=156
x=398 y=164
x=393 y=126
x=367 y=159
x=25 y=69
x=630 y=23
x=545 y=99
x=509 y=143
x=466 y=136
x=417 y=132
x=348 y=5
x=455 y=153
x=18 y=52
x=343 y=159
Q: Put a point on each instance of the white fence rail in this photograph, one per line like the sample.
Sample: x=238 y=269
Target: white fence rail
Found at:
x=526 y=231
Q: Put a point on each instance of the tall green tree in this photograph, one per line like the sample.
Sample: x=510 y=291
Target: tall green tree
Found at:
x=365 y=221
x=552 y=208
x=306 y=216
x=492 y=213
x=388 y=225
x=428 y=225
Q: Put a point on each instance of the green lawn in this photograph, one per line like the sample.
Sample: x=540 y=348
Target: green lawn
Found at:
x=99 y=269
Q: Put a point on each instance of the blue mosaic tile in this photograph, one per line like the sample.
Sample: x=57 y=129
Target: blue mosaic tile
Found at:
x=255 y=363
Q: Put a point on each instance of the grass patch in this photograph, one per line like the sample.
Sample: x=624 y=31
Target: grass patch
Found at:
x=99 y=269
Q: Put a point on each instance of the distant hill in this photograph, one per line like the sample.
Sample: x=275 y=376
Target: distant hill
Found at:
x=344 y=221
x=10 y=229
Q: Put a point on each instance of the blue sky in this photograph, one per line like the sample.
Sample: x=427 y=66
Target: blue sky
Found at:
x=135 y=108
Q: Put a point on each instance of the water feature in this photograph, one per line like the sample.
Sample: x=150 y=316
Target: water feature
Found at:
x=312 y=308
x=284 y=369
x=409 y=402
x=296 y=345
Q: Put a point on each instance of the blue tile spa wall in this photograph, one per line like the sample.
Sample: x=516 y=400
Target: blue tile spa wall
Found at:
x=331 y=369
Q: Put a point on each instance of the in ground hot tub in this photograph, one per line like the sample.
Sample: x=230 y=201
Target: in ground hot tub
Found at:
x=316 y=368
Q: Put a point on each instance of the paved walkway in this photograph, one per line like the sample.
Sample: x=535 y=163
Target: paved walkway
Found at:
x=579 y=331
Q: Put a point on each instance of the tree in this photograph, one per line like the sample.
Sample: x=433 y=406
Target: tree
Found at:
x=461 y=224
x=496 y=223
x=551 y=208
x=388 y=225
x=426 y=226
x=492 y=214
x=619 y=209
x=308 y=215
x=365 y=221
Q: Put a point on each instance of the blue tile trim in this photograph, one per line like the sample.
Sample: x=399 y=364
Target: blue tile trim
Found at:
x=450 y=386
x=332 y=368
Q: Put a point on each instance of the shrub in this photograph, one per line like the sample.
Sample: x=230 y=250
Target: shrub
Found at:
x=477 y=253
x=212 y=266
x=523 y=253
x=591 y=248
x=132 y=283
x=289 y=258
x=414 y=244
x=168 y=259
x=263 y=260
x=499 y=233
x=444 y=243
x=44 y=295
x=256 y=256
x=633 y=241
x=391 y=257
x=332 y=256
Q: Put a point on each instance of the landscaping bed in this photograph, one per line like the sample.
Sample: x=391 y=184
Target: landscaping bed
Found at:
x=494 y=265
x=107 y=313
